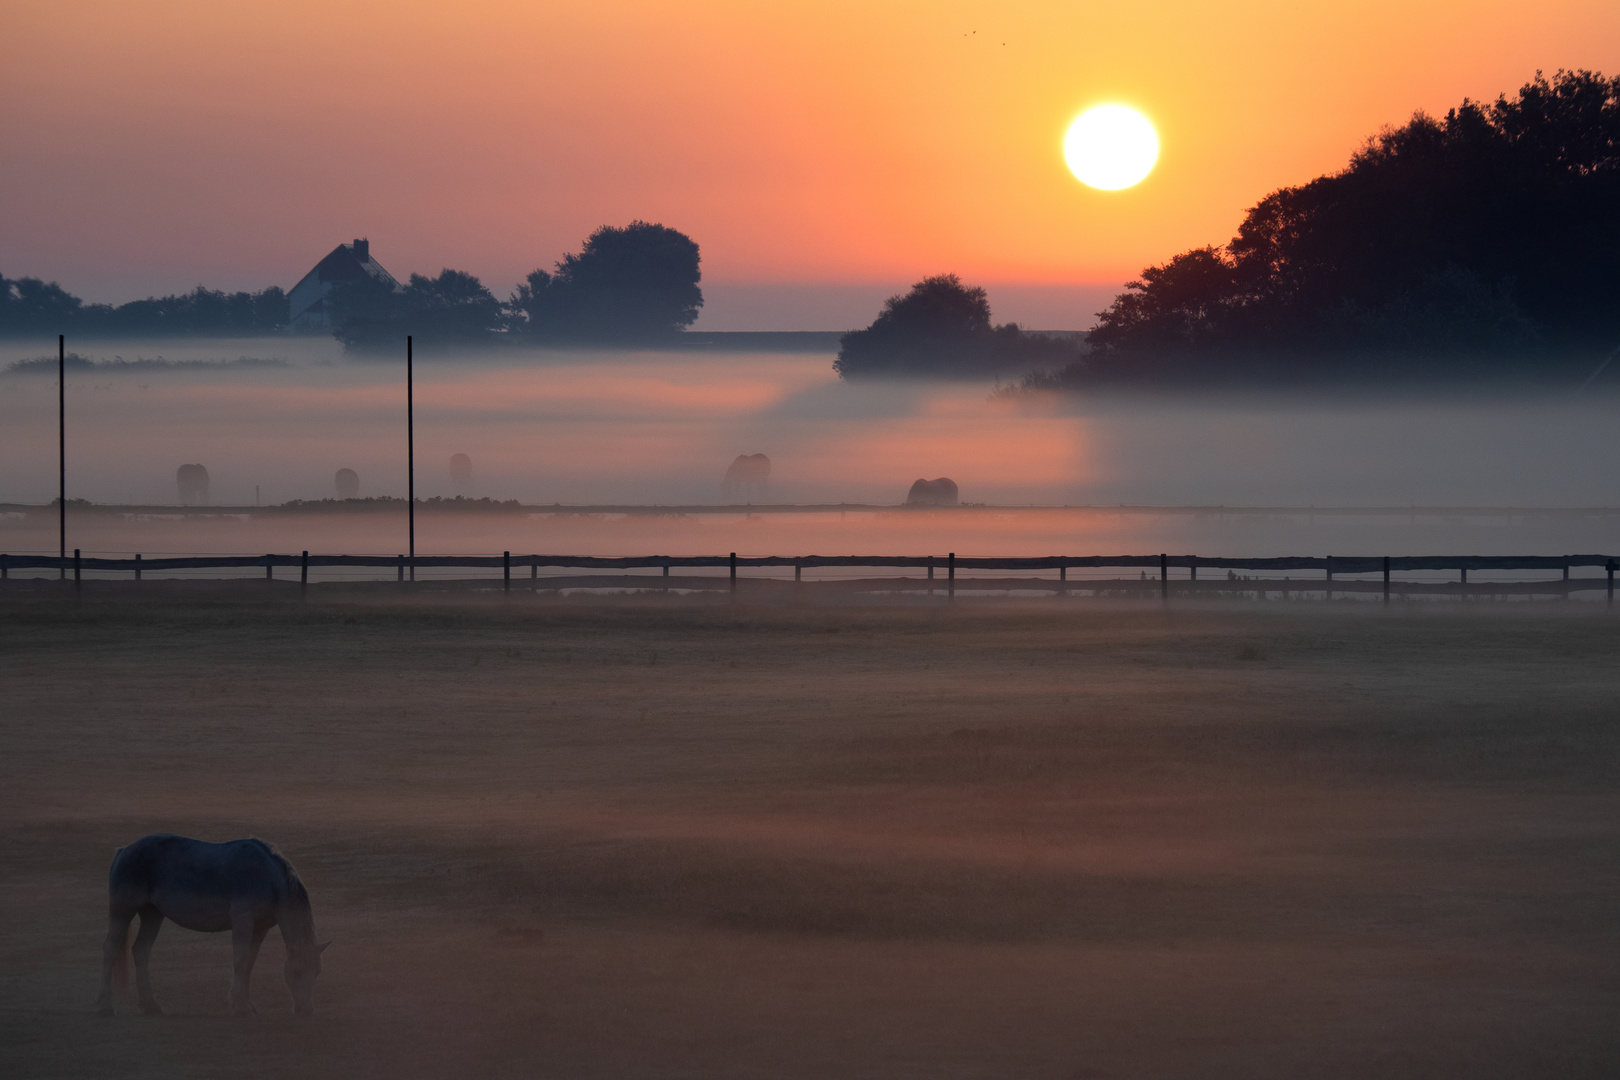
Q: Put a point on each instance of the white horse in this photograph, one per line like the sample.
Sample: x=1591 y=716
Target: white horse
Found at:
x=242 y=886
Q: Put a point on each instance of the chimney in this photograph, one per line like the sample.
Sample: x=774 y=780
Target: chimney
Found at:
x=362 y=250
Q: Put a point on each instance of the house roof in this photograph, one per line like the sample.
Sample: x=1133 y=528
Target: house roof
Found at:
x=346 y=262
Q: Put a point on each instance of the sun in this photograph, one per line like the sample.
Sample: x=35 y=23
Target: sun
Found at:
x=1111 y=147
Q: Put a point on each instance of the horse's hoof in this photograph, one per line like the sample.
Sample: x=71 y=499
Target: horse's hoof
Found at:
x=151 y=1008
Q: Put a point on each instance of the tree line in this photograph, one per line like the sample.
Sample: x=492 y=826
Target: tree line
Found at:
x=635 y=284
x=1490 y=234
x=1487 y=240
x=29 y=306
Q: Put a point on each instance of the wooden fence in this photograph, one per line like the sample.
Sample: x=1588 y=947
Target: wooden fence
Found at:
x=938 y=572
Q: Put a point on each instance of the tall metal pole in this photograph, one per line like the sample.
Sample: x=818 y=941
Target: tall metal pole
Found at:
x=410 y=450
x=61 y=450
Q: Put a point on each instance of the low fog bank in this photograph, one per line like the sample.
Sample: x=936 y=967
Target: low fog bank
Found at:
x=276 y=419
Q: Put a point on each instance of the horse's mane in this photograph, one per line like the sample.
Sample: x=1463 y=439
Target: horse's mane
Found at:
x=297 y=895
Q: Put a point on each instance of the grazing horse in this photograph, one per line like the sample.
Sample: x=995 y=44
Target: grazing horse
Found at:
x=749 y=475
x=242 y=886
x=941 y=492
x=192 y=482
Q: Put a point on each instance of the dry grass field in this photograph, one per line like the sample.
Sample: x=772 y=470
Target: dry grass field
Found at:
x=676 y=837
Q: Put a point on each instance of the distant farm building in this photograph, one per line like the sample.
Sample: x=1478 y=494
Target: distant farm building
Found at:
x=347 y=262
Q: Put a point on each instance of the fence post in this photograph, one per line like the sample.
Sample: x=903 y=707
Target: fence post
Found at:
x=1462 y=592
x=950 y=584
x=506 y=570
x=1192 y=568
x=534 y=574
x=733 y=571
x=269 y=568
x=402 y=568
x=666 y=568
x=798 y=572
x=76 y=581
x=1610 y=568
x=1329 y=589
x=303 y=572
x=1164 y=576
x=1566 y=581
x=137 y=566
x=1386 y=579
x=5 y=566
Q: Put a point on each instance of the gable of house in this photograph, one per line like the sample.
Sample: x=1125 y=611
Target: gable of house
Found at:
x=346 y=262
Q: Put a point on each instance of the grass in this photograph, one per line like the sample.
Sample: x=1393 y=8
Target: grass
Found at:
x=651 y=836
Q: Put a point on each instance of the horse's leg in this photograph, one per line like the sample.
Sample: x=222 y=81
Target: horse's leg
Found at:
x=112 y=955
x=151 y=923
x=246 y=937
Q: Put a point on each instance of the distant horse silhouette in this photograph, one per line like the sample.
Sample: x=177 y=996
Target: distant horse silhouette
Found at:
x=941 y=492
x=348 y=484
x=192 y=480
x=748 y=476
x=242 y=886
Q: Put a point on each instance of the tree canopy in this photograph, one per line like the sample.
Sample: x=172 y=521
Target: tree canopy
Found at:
x=1495 y=229
x=943 y=328
x=636 y=283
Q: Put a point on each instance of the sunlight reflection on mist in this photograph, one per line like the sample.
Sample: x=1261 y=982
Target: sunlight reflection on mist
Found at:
x=601 y=427
x=587 y=427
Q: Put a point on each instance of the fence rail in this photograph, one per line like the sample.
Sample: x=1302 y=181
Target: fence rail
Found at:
x=1328 y=566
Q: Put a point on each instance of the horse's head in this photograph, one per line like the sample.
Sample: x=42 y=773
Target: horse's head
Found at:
x=302 y=967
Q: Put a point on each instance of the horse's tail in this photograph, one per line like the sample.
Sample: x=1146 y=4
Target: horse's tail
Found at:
x=121 y=965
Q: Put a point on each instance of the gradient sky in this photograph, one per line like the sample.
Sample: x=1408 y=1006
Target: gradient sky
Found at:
x=813 y=149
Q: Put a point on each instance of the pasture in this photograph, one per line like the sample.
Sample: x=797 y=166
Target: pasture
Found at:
x=639 y=836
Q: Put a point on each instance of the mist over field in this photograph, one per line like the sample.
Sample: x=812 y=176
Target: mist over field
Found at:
x=600 y=427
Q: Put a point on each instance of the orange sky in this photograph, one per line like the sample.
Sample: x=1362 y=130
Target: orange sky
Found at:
x=149 y=146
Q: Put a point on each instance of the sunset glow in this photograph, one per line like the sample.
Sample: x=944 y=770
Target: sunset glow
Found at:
x=840 y=143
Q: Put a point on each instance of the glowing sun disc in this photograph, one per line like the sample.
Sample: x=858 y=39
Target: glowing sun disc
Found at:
x=1111 y=147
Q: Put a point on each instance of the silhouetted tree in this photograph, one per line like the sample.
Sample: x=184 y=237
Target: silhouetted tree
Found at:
x=453 y=307
x=941 y=328
x=638 y=283
x=1493 y=229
